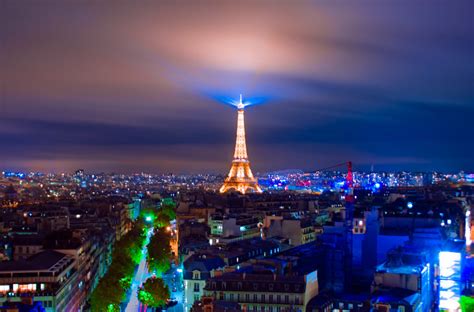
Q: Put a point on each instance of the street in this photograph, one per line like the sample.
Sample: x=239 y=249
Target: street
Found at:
x=140 y=277
x=173 y=279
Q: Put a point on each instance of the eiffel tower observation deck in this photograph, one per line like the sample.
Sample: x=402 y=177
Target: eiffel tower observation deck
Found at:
x=240 y=177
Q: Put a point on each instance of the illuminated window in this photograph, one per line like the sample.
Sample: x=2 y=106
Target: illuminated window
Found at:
x=4 y=288
x=26 y=287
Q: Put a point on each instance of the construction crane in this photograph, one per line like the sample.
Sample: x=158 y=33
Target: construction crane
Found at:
x=349 y=216
x=349 y=178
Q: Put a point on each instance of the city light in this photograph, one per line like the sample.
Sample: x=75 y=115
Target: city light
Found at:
x=450 y=280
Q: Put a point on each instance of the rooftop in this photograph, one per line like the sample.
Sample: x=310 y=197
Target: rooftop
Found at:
x=48 y=260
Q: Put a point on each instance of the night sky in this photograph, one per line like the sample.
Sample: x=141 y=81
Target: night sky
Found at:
x=130 y=87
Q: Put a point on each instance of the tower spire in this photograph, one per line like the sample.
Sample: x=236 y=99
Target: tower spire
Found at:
x=241 y=104
x=240 y=177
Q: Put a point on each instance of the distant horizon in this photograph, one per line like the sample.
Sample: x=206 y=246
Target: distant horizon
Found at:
x=257 y=173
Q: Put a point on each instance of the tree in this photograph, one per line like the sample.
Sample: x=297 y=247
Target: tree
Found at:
x=162 y=220
x=126 y=255
x=169 y=210
x=106 y=294
x=153 y=293
x=467 y=303
x=159 y=252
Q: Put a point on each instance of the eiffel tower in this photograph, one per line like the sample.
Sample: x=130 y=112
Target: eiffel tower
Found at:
x=240 y=177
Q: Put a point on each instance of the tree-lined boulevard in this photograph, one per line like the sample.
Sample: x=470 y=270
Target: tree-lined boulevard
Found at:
x=139 y=261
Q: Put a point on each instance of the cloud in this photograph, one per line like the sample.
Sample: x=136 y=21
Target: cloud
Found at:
x=391 y=81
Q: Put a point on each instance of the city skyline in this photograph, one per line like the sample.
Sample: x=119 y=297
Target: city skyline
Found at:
x=140 y=88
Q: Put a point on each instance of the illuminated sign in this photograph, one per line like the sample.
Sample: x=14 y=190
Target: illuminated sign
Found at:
x=450 y=280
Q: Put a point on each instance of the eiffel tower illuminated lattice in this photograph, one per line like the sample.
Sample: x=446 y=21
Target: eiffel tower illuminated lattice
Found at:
x=240 y=177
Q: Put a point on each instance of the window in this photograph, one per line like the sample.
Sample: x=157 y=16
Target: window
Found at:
x=297 y=300
x=401 y=308
x=255 y=298
x=27 y=287
x=287 y=299
x=196 y=297
x=262 y=298
x=231 y=297
x=247 y=297
x=278 y=298
x=270 y=298
x=196 y=286
x=196 y=275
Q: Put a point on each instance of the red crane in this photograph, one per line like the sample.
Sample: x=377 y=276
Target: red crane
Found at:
x=349 y=218
x=349 y=178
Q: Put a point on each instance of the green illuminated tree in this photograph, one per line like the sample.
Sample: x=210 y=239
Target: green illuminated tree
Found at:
x=159 y=252
x=126 y=255
x=162 y=220
x=106 y=295
x=153 y=293
x=169 y=209
x=467 y=304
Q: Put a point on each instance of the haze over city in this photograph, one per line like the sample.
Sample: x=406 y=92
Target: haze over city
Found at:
x=142 y=86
